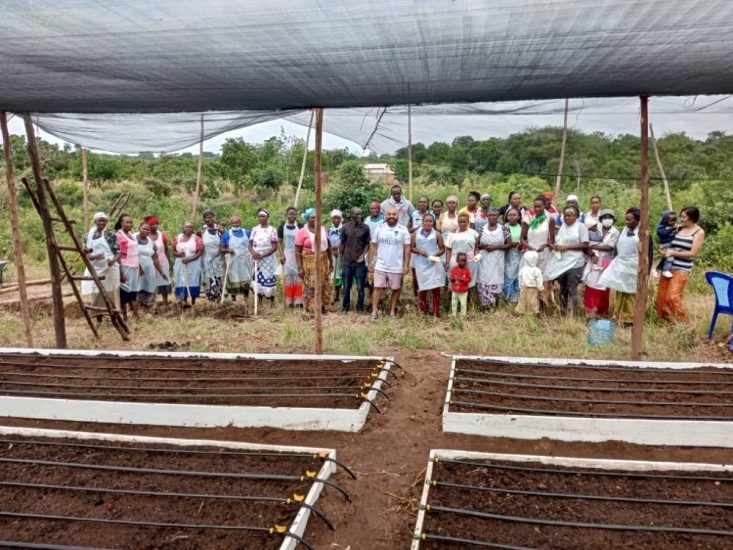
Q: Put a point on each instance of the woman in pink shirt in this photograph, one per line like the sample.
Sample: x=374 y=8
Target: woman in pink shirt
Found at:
x=305 y=256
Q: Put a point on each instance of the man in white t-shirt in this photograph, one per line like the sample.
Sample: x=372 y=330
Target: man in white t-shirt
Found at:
x=389 y=260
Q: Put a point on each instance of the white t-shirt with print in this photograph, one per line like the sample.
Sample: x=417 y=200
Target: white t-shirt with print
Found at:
x=391 y=242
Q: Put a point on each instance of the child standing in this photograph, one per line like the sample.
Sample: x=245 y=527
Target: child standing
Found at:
x=666 y=230
x=460 y=277
x=530 y=284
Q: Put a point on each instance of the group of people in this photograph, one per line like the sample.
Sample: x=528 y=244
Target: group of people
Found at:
x=513 y=254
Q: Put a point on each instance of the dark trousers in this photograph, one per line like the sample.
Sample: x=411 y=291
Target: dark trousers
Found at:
x=358 y=272
x=569 y=282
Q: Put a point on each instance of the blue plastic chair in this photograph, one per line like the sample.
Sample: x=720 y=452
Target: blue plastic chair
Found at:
x=723 y=286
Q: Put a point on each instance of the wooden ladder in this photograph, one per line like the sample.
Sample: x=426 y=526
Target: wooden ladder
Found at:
x=109 y=307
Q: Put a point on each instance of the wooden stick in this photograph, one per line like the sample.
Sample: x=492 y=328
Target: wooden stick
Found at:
x=317 y=244
x=59 y=322
x=188 y=285
x=642 y=273
x=6 y=289
x=226 y=277
x=305 y=157
x=409 y=148
x=661 y=169
x=85 y=187
x=558 y=179
x=199 y=171
x=25 y=310
x=257 y=286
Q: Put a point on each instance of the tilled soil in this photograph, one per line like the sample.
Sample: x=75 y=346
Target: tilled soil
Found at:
x=40 y=479
x=585 y=390
x=293 y=383
x=497 y=488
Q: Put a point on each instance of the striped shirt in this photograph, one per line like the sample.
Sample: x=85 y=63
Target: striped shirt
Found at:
x=681 y=242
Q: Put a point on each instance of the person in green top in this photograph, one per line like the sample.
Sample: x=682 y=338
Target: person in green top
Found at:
x=513 y=256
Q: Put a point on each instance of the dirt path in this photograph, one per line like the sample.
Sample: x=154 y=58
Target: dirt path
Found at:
x=390 y=455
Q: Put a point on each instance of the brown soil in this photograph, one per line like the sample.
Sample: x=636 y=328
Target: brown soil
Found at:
x=156 y=508
x=584 y=390
x=294 y=383
x=391 y=453
x=717 y=489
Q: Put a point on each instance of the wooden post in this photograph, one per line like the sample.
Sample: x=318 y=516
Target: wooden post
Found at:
x=199 y=172
x=25 y=310
x=317 y=244
x=59 y=323
x=305 y=158
x=85 y=187
x=642 y=273
x=661 y=169
x=562 y=151
x=409 y=149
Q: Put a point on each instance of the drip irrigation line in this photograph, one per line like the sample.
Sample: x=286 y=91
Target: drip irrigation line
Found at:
x=575 y=379
x=43 y=546
x=254 y=528
x=579 y=496
x=592 y=401
x=568 y=471
x=179 y=379
x=693 y=370
x=324 y=457
x=581 y=524
x=189 y=388
x=279 y=500
x=473 y=542
x=590 y=388
x=550 y=412
x=185 y=473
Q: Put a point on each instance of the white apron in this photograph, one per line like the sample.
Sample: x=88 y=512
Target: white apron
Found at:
x=148 y=280
x=111 y=274
x=621 y=274
x=491 y=266
x=162 y=260
x=291 y=264
x=193 y=269
x=569 y=259
x=212 y=258
x=130 y=264
x=535 y=239
x=429 y=274
x=240 y=263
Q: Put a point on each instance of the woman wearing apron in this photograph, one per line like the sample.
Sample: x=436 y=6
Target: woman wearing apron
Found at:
x=213 y=260
x=262 y=246
x=493 y=241
x=161 y=246
x=149 y=267
x=291 y=280
x=464 y=240
x=235 y=242
x=103 y=251
x=427 y=243
x=129 y=265
x=187 y=248
x=513 y=256
x=537 y=226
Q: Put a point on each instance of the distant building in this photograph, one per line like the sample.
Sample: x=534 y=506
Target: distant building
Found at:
x=379 y=172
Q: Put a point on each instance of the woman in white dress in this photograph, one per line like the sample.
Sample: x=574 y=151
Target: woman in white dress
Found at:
x=538 y=225
x=464 y=240
x=103 y=250
x=235 y=243
x=427 y=246
x=493 y=240
x=150 y=268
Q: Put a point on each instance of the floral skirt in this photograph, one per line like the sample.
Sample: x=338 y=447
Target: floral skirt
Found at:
x=488 y=293
x=310 y=281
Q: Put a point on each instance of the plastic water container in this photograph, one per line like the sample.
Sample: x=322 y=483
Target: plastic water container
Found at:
x=600 y=332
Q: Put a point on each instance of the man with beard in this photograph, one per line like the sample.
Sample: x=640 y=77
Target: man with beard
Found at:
x=389 y=260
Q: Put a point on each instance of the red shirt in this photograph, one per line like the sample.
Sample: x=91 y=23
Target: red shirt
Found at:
x=460 y=277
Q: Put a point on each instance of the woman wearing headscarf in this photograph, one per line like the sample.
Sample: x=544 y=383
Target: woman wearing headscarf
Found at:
x=187 y=248
x=149 y=266
x=262 y=246
x=334 y=240
x=481 y=217
x=427 y=247
x=286 y=234
x=598 y=297
x=567 y=262
x=493 y=241
x=235 y=243
x=448 y=220
x=212 y=262
x=161 y=246
x=103 y=250
x=305 y=256
x=513 y=255
x=129 y=265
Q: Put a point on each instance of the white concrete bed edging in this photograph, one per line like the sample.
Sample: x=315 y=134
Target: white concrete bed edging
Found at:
x=297 y=527
x=697 y=433
x=192 y=415
x=597 y=463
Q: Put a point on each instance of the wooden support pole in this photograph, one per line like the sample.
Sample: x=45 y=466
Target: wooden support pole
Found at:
x=199 y=172
x=317 y=244
x=59 y=323
x=409 y=149
x=558 y=179
x=642 y=273
x=305 y=158
x=85 y=187
x=25 y=310
x=661 y=169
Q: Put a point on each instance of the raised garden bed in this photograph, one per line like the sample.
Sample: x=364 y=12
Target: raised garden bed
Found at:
x=90 y=490
x=304 y=392
x=590 y=400
x=524 y=502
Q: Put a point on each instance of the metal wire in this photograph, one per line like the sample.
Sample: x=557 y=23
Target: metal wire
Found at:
x=583 y=525
x=178 y=451
x=592 y=401
x=722 y=371
x=279 y=500
x=569 y=471
x=580 y=496
x=576 y=379
x=461 y=540
x=599 y=414
x=176 y=395
x=178 y=379
x=43 y=546
x=232 y=475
